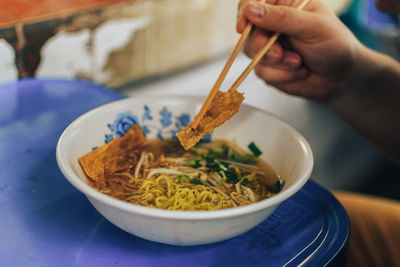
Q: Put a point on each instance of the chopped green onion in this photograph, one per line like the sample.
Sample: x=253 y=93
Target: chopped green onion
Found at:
x=222 y=167
x=195 y=163
x=208 y=158
x=195 y=181
x=182 y=176
x=231 y=175
x=211 y=163
x=221 y=151
x=254 y=149
x=245 y=181
x=246 y=159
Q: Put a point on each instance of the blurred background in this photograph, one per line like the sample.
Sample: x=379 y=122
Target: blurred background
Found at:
x=179 y=47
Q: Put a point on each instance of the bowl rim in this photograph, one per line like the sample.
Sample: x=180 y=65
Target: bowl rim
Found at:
x=90 y=192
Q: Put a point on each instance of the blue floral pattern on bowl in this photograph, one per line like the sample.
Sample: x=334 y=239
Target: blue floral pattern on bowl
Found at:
x=166 y=126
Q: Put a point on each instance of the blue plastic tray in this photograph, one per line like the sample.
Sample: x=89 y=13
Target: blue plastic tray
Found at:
x=44 y=221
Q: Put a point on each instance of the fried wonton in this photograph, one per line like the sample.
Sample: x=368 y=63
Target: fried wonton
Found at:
x=223 y=107
x=120 y=155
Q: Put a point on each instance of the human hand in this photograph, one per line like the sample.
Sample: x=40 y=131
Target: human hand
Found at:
x=313 y=58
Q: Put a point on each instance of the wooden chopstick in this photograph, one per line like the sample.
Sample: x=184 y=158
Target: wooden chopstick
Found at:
x=262 y=52
x=246 y=72
x=224 y=72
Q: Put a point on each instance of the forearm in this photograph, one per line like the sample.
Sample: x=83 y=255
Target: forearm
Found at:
x=370 y=101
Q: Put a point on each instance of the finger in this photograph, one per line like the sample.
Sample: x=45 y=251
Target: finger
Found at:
x=270 y=2
x=241 y=23
x=285 y=2
x=242 y=20
x=277 y=56
x=278 y=76
x=257 y=40
x=281 y=19
x=312 y=6
x=273 y=57
x=291 y=61
x=239 y=6
x=308 y=87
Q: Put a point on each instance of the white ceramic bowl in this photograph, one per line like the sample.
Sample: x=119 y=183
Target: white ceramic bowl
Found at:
x=283 y=148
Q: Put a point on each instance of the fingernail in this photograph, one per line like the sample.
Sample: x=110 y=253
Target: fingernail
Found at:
x=291 y=61
x=301 y=74
x=256 y=9
x=272 y=54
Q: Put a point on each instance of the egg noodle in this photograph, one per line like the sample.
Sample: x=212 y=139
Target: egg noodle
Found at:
x=173 y=194
x=160 y=174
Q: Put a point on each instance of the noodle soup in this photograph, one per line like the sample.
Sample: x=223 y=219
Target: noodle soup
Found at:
x=161 y=174
x=282 y=146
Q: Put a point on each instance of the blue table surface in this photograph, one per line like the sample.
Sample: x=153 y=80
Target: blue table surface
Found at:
x=45 y=221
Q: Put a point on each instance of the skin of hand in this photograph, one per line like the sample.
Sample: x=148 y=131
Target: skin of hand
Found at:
x=320 y=59
x=325 y=49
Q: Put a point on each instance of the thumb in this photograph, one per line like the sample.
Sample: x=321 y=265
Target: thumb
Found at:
x=282 y=19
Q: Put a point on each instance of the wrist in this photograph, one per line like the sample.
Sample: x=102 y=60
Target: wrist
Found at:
x=364 y=64
x=368 y=101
